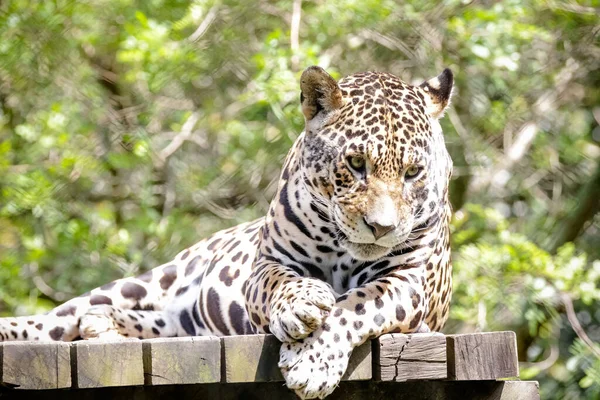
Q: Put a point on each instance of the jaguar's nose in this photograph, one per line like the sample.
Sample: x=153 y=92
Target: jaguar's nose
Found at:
x=379 y=230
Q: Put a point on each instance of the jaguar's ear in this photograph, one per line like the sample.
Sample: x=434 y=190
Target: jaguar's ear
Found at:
x=320 y=93
x=438 y=91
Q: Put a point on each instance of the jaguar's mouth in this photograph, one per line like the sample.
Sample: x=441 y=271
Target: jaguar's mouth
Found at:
x=365 y=251
x=362 y=251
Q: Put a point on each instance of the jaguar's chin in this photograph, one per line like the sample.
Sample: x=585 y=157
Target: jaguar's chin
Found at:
x=365 y=251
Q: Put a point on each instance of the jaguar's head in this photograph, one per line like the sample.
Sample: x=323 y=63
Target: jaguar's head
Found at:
x=374 y=154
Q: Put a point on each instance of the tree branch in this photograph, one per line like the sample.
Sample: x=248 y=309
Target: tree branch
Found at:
x=295 y=32
x=572 y=317
x=204 y=25
x=546 y=104
x=588 y=205
x=388 y=42
x=177 y=142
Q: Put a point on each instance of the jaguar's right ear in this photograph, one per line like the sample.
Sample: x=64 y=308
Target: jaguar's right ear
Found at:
x=439 y=92
x=320 y=95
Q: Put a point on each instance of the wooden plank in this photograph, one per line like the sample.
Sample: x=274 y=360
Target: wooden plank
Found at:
x=254 y=358
x=36 y=365
x=399 y=357
x=360 y=366
x=519 y=390
x=186 y=360
x=482 y=356
x=251 y=358
x=103 y=363
x=354 y=390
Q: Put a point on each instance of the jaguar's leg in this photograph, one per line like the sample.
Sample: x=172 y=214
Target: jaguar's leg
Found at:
x=39 y=327
x=148 y=291
x=109 y=322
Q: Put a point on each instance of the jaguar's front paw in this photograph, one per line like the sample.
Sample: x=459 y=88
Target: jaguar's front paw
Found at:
x=300 y=308
x=313 y=367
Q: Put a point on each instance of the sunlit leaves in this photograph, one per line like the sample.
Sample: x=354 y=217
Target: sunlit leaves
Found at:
x=92 y=92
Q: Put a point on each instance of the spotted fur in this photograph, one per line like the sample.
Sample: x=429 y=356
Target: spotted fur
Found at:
x=355 y=244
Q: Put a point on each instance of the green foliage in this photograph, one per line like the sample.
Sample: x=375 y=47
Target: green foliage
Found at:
x=129 y=130
x=503 y=281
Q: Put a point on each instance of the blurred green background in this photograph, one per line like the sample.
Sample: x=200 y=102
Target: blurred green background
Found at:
x=132 y=129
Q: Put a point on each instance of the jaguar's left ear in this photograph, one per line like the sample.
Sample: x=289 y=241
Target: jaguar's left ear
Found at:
x=438 y=91
x=320 y=95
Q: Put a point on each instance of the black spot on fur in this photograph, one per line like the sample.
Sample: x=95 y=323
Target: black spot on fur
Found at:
x=185 y=255
x=324 y=249
x=170 y=274
x=181 y=290
x=360 y=309
x=67 y=310
x=57 y=333
x=186 y=323
x=298 y=248
x=236 y=316
x=236 y=256
x=191 y=265
x=226 y=277
x=400 y=313
x=415 y=321
x=289 y=213
x=100 y=299
x=214 y=311
x=145 y=277
x=134 y=291
x=196 y=316
x=213 y=244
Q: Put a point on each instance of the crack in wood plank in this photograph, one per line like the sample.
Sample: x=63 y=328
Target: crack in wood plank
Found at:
x=399 y=358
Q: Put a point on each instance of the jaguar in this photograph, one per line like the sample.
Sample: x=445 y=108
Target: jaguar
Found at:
x=355 y=243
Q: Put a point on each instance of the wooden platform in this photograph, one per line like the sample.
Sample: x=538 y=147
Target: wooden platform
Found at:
x=432 y=366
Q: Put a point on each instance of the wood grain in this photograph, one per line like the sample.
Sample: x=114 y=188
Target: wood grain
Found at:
x=36 y=365
x=104 y=364
x=252 y=360
x=183 y=360
x=400 y=357
x=482 y=356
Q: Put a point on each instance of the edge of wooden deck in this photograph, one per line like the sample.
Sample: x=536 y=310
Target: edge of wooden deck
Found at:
x=245 y=359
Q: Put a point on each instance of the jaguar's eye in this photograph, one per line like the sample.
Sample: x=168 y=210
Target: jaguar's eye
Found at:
x=357 y=163
x=412 y=171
